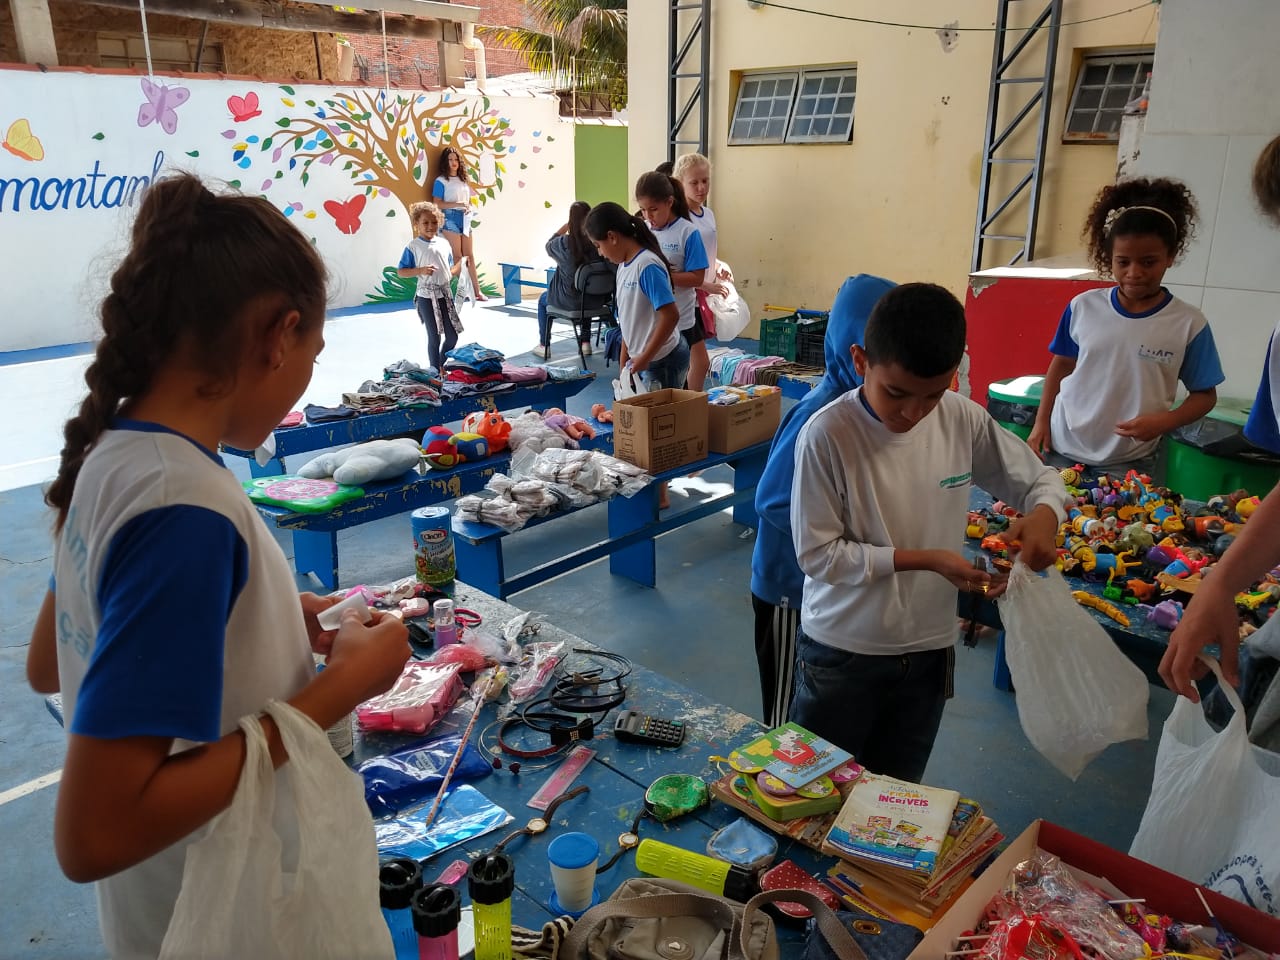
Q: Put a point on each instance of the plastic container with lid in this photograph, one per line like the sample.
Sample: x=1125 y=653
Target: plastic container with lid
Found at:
x=1015 y=402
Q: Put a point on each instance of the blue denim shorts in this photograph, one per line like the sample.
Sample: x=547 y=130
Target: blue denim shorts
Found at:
x=671 y=371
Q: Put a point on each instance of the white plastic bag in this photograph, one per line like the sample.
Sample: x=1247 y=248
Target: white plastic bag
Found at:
x=237 y=900
x=629 y=384
x=731 y=312
x=1077 y=693
x=1214 y=806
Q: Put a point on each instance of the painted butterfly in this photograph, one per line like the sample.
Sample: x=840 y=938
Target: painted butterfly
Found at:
x=346 y=215
x=244 y=108
x=161 y=105
x=22 y=143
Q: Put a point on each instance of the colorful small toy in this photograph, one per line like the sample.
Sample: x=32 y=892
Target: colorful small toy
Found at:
x=488 y=424
x=1086 y=599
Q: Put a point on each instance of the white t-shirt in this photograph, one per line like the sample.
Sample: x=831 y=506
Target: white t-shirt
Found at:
x=706 y=224
x=1127 y=364
x=861 y=492
x=643 y=287
x=435 y=252
x=176 y=616
x=682 y=246
x=451 y=190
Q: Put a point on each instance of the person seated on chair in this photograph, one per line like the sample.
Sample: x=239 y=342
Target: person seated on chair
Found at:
x=570 y=248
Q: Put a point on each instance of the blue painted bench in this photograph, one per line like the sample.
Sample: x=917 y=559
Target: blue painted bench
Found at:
x=634 y=526
x=513 y=280
x=315 y=535
x=312 y=437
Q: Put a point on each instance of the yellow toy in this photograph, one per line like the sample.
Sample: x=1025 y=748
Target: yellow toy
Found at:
x=1086 y=599
x=1082 y=552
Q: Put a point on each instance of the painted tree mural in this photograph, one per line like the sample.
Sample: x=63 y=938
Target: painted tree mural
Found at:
x=388 y=144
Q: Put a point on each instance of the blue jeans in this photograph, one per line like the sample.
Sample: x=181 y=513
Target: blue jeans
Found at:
x=671 y=370
x=885 y=710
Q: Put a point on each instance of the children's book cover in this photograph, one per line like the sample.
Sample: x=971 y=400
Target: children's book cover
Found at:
x=794 y=755
x=894 y=822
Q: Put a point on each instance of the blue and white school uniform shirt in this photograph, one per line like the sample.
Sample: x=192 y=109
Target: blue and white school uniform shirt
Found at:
x=176 y=616
x=435 y=252
x=706 y=224
x=682 y=246
x=1127 y=364
x=1263 y=426
x=644 y=286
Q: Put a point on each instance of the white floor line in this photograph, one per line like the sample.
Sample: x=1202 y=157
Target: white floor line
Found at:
x=31 y=786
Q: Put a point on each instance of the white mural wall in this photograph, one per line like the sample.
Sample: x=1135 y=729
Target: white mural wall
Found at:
x=343 y=162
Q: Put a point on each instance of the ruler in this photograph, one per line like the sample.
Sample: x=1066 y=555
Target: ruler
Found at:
x=559 y=781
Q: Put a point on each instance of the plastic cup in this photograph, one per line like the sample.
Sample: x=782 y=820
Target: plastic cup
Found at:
x=573 y=858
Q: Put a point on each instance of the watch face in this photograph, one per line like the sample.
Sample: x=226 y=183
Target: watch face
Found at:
x=536 y=825
x=628 y=840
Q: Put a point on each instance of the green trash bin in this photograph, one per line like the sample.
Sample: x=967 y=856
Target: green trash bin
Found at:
x=1212 y=456
x=1014 y=403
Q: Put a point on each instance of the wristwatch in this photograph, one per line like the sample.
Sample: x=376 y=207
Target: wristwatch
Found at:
x=540 y=824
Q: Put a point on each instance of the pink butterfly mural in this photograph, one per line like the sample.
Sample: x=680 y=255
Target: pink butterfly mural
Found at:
x=346 y=214
x=161 y=105
x=244 y=108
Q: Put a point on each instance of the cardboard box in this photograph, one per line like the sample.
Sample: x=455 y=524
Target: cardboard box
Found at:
x=661 y=430
x=742 y=424
x=1164 y=892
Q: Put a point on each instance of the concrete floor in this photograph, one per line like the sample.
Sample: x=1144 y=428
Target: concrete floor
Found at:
x=696 y=627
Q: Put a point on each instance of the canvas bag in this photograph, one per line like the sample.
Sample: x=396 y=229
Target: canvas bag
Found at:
x=237 y=900
x=1077 y=693
x=1215 y=805
x=648 y=918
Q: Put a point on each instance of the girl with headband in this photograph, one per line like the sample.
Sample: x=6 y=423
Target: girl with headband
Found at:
x=1119 y=352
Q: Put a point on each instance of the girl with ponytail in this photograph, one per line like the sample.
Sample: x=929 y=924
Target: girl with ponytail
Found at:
x=172 y=612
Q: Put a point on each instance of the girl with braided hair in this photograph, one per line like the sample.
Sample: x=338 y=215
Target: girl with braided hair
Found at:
x=172 y=612
x=1119 y=352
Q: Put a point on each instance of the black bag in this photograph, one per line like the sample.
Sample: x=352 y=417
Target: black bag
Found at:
x=879 y=939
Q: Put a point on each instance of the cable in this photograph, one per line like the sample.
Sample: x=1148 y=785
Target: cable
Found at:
x=923 y=26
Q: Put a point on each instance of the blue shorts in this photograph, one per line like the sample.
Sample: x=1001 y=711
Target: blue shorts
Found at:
x=457 y=221
x=670 y=371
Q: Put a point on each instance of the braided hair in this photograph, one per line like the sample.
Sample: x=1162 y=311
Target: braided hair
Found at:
x=610 y=216
x=196 y=261
x=1142 y=205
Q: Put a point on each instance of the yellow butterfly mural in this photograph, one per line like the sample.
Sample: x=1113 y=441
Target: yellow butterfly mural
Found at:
x=21 y=142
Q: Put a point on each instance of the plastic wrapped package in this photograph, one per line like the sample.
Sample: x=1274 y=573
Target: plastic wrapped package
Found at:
x=1044 y=888
x=465 y=813
x=407 y=776
x=530 y=675
x=421 y=696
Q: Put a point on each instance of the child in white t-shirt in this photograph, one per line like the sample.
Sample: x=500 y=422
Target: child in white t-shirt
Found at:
x=662 y=203
x=173 y=612
x=1120 y=352
x=430 y=258
x=693 y=170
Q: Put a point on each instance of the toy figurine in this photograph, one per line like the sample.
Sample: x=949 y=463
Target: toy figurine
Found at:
x=1086 y=599
x=601 y=413
x=1246 y=506
x=489 y=425
x=1083 y=553
x=1165 y=614
x=1143 y=590
x=976 y=528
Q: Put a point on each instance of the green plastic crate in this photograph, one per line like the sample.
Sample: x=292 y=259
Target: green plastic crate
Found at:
x=780 y=337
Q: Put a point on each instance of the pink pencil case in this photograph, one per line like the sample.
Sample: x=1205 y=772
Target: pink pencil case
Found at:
x=423 y=694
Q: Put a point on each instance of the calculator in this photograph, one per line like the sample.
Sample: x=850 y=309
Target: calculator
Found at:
x=633 y=727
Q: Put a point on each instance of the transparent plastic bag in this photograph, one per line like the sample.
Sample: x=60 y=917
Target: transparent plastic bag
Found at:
x=412 y=774
x=1077 y=693
x=731 y=312
x=423 y=694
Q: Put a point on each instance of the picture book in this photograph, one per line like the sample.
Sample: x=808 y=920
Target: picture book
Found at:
x=892 y=822
x=794 y=755
x=810 y=831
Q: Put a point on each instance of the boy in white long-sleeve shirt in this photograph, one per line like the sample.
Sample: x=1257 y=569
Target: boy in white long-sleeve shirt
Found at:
x=879 y=504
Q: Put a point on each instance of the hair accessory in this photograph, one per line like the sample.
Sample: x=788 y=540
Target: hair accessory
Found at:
x=1118 y=212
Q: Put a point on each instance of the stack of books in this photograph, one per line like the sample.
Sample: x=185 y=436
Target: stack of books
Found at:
x=915 y=844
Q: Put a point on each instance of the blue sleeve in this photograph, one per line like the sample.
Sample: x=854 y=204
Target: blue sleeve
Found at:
x=437 y=190
x=170 y=579
x=407 y=259
x=656 y=284
x=1063 y=344
x=1263 y=426
x=695 y=252
x=1201 y=368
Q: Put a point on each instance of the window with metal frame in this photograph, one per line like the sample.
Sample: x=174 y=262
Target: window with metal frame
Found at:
x=795 y=106
x=1104 y=85
x=167 y=53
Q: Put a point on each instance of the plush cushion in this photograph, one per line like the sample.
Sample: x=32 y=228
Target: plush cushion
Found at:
x=365 y=462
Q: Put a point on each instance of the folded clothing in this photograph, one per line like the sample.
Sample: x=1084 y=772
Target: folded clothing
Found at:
x=318 y=414
x=523 y=374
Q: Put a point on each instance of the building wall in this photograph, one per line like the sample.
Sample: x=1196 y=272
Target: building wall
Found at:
x=278 y=54
x=80 y=182
x=1213 y=108
x=600 y=162
x=901 y=199
x=415 y=63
